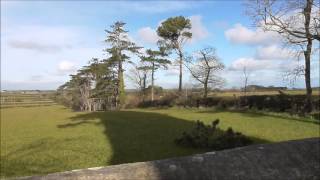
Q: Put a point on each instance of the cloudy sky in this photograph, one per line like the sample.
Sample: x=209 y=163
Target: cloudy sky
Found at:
x=43 y=42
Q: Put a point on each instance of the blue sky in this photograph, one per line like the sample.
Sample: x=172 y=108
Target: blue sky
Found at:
x=43 y=42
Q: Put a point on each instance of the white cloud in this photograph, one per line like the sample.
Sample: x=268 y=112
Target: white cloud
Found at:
x=263 y=64
x=251 y=64
x=65 y=67
x=264 y=72
x=32 y=51
x=198 y=30
x=148 y=35
x=172 y=72
x=44 y=39
x=240 y=34
x=173 y=69
x=273 y=52
x=32 y=45
x=260 y=72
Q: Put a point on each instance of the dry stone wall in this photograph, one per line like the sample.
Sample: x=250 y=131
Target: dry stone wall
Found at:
x=292 y=160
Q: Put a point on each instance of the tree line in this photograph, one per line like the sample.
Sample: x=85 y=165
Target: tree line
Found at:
x=100 y=85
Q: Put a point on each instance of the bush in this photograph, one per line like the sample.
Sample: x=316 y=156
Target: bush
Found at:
x=206 y=136
x=158 y=90
x=278 y=103
x=293 y=104
x=166 y=101
x=133 y=100
x=315 y=115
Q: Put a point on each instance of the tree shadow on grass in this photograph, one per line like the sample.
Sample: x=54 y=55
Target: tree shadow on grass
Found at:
x=262 y=114
x=140 y=136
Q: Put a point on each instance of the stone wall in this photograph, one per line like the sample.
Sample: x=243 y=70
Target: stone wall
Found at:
x=290 y=160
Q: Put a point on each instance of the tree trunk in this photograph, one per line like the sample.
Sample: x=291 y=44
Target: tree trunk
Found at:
x=144 y=86
x=205 y=94
x=152 y=82
x=88 y=95
x=117 y=97
x=120 y=89
x=180 y=70
x=307 y=55
x=245 y=86
x=308 y=106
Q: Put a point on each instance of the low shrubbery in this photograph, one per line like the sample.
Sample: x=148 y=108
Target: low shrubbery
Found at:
x=168 y=100
x=293 y=104
x=315 y=115
x=206 y=136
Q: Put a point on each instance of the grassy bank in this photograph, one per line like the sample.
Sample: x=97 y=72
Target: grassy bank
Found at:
x=40 y=140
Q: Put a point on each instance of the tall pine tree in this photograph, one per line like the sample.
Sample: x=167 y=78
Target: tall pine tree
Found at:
x=117 y=38
x=174 y=33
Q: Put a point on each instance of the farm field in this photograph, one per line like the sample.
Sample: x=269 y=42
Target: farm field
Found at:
x=25 y=100
x=45 y=139
x=250 y=93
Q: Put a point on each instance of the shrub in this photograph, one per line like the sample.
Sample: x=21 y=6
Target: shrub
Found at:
x=158 y=90
x=206 y=136
x=133 y=100
x=229 y=139
x=278 y=103
x=315 y=115
x=166 y=101
x=293 y=104
x=226 y=103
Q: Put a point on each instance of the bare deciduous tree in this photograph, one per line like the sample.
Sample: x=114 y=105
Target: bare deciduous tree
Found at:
x=138 y=75
x=204 y=67
x=292 y=75
x=246 y=75
x=296 y=21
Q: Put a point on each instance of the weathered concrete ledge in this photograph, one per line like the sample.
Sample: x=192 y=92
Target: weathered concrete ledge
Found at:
x=299 y=159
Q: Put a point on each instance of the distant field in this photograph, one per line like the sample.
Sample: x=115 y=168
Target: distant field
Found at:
x=239 y=93
x=25 y=100
x=45 y=139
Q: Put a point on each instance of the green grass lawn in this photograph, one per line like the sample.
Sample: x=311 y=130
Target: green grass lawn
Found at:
x=40 y=140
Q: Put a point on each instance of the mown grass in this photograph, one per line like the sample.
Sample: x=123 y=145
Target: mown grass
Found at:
x=40 y=140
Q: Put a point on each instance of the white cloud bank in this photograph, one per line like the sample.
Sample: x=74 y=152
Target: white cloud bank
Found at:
x=198 y=30
x=240 y=34
x=66 y=67
x=40 y=54
x=43 y=39
x=260 y=72
x=251 y=64
x=148 y=35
